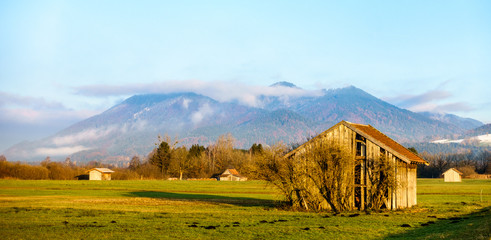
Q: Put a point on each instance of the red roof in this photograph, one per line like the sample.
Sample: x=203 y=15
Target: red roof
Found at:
x=379 y=139
x=385 y=142
x=232 y=171
x=102 y=170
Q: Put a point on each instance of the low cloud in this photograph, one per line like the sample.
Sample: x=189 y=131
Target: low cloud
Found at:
x=430 y=101
x=83 y=136
x=454 y=107
x=60 y=151
x=43 y=117
x=186 y=102
x=408 y=101
x=36 y=110
x=7 y=99
x=204 y=111
x=218 y=90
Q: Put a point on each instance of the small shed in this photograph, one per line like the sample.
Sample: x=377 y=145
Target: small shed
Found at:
x=452 y=175
x=232 y=175
x=100 y=174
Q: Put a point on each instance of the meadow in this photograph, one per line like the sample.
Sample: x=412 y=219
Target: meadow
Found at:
x=153 y=209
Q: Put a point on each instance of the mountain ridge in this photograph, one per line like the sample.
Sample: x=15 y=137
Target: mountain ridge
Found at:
x=132 y=126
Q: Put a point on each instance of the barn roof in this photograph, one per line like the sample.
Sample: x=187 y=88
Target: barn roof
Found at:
x=455 y=170
x=385 y=142
x=379 y=139
x=102 y=170
x=232 y=171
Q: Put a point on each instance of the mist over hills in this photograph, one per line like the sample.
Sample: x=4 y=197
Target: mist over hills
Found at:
x=131 y=127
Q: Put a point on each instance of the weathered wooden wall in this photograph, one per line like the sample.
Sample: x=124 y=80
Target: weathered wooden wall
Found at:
x=452 y=176
x=95 y=175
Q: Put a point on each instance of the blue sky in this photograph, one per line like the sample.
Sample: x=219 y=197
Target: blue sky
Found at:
x=64 y=61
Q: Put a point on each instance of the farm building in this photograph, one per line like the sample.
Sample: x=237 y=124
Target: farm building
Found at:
x=452 y=175
x=231 y=175
x=100 y=174
x=367 y=145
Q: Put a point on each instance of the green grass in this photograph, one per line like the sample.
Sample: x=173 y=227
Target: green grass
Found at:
x=219 y=210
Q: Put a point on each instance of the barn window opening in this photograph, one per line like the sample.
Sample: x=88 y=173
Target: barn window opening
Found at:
x=360 y=138
x=361 y=149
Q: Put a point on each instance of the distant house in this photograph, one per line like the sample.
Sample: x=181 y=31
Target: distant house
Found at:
x=452 y=175
x=365 y=143
x=100 y=174
x=231 y=175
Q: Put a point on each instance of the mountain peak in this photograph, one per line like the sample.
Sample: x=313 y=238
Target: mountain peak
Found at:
x=284 y=84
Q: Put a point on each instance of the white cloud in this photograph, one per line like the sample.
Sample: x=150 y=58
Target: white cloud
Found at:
x=84 y=136
x=430 y=101
x=34 y=110
x=60 y=151
x=43 y=117
x=138 y=125
x=23 y=101
x=186 y=102
x=219 y=90
x=204 y=111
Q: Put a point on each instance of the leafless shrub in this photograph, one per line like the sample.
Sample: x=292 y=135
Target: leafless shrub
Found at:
x=319 y=179
x=381 y=180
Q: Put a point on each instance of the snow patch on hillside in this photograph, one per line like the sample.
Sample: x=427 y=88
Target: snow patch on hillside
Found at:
x=443 y=141
x=483 y=139
x=136 y=115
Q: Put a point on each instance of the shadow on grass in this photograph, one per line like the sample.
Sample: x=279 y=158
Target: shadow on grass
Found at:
x=240 y=201
x=476 y=225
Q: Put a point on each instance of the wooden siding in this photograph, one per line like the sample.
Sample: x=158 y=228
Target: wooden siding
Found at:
x=96 y=175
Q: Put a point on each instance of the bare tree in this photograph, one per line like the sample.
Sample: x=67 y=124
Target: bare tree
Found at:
x=221 y=153
x=279 y=171
x=322 y=176
x=330 y=169
x=380 y=177
x=135 y=163
x=180 y=161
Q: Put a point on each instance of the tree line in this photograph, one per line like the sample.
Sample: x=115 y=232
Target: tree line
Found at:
x=166 y=160
x=45 y=170
x=169 y=160
x=470 y=163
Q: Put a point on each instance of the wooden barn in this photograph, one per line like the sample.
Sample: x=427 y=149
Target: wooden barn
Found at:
x=365 y=143
x=452 y=175
x=232 y=175
x=100 y=174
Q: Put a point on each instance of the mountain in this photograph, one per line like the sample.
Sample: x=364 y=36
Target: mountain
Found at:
x=482 y=130
x=464 y=123
x=131 y=127
x=475 y=140
x=284 y=84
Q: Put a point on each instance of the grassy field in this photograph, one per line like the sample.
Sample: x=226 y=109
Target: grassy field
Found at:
x=224 y=210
